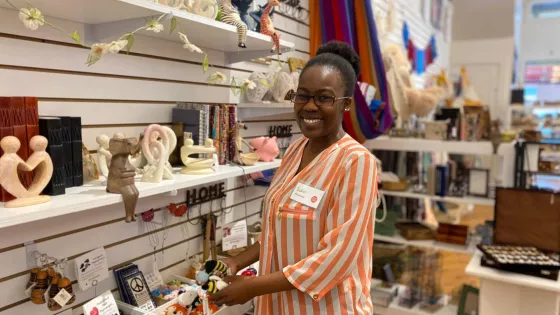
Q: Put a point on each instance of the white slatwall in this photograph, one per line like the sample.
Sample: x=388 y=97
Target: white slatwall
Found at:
x=126 y=93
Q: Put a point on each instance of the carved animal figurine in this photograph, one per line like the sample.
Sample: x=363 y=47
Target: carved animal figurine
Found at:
x=157 y=153
x=249 y=158
x=91 y=172
x=257 y=14
x=10 y=163
x=267 y=28
x=197 y=165
x=266 y=148
x=103 y=154
x=231 y=16
x=121 y=174
x=175 y=309
x=38 y=292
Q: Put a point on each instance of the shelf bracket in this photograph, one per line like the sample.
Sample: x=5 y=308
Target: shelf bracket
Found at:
x=234 y=57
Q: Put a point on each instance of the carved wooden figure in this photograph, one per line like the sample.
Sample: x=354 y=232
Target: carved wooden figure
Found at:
x=231 y=16
x=197 y=165
x=249 y=158
x=10 y=163
x=157 y=144
x=121 y=174
x=103 y=154
x=267 y=28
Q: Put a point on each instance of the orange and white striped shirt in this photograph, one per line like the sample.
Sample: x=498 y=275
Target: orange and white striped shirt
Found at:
x=326 y=252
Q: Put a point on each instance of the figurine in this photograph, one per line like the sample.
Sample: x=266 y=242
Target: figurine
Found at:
x=284 y=84
x=157 y=153
x=103 y=155
x=10 y=163
x=91 y=172
x=197 y=165
x=38 y=291
x=266 y=148
x=267 y=28
x=249 y=158
x=231 y=16
x=205 y=8
x=121 y=174
x=261 y=87
x=257 y=14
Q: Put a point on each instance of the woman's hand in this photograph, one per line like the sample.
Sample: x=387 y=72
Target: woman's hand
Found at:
x=238 y=291
x=232 y=264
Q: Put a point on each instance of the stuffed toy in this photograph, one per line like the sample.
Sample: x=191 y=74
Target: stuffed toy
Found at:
x=175 y=309
x=267 y=28
x=212 y=268
x=406 y=99
x=231 y=16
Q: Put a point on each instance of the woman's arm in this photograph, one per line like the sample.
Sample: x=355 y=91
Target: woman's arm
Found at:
x=244 y=259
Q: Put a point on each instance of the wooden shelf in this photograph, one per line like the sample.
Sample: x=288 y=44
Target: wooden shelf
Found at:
x=109 y=19
x=425 y=145
x=466 y=199
x=93 y=195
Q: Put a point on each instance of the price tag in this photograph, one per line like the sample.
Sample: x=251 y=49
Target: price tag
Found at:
x=28 y=290
x=62 y=297
x=154 y=280
x=234 y=235
x=91 y=268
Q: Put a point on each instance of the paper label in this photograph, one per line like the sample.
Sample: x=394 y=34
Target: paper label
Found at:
x=234 y=235
x=91 y=268
x=140 y=293
x=307 y=195
x=102 y=305
x=154 y=281
x=28 y=290
x=62 y=297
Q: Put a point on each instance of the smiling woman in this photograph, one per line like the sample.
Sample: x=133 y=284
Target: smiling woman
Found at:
x=319 y=212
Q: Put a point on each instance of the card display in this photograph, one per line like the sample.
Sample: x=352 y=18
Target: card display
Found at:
x=139 y=292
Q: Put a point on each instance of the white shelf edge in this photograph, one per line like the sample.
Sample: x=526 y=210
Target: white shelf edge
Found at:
x=545 y=107
x=265 y=105
x=92 y=196
x=427 y=145
x=475 y=269
x=467 y=199
x=397 y=239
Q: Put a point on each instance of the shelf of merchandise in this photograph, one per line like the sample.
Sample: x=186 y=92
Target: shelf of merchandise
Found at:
x=395 y=309
x=474 y=268
x=466 y=199
x=398 y=239
x=109 y=19
x=426 y=145
x=93 y=195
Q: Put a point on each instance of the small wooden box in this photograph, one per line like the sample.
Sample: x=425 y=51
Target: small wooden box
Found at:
x=436 y=130
x=452 y=233
x=414 y=231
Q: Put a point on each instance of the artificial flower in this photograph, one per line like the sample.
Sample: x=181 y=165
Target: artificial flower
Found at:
x=217 y=78
x=97 y=50
x=32 y=18
x=154 y=26
x=116 y=46
x=188 y=45
x=248 y=84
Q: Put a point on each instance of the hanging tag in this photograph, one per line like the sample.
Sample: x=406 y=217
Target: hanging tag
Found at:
x=28 y=290
x=62 y=297
x=234 y=235
x=91 y=267
x=154 y=281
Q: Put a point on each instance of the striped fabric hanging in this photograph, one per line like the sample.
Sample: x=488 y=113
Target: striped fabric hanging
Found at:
x=352 y=21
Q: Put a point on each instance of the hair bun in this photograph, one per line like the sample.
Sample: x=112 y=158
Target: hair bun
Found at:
x=343 y=50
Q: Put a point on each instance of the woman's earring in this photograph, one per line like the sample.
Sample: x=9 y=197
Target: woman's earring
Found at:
x=347 y=109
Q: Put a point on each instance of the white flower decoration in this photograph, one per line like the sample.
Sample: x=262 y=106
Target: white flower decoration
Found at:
x=248 y=84
x=32 y=18
x=188 y=45
x=154 y=26
x=116 y=46
x=217 y=78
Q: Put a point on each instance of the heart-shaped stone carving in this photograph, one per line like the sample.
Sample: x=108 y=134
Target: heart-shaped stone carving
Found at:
x=10 y=163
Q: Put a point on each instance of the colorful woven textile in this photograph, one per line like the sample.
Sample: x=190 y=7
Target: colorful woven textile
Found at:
x=351 y=21
x=419 y=58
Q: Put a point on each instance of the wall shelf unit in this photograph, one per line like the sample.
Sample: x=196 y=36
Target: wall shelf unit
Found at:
x=426 y=145
x=109 y=19
x=465 y=199
x=398 y=239
x=93 y=195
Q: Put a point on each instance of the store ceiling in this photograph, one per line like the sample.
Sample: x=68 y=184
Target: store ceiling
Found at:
x=481 y=19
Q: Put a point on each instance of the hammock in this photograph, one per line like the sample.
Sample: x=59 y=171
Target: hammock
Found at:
x=351 y=21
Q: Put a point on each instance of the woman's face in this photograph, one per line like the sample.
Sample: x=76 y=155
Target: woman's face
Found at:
x=320 y=121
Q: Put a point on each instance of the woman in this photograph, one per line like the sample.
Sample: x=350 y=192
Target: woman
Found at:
x=315 y=251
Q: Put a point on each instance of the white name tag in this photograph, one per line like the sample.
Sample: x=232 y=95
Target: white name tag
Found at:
x=307 y=195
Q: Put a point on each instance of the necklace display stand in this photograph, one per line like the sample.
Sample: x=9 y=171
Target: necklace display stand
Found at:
x=10 y=163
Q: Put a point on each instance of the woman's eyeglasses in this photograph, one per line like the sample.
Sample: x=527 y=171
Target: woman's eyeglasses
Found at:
x=320 y=100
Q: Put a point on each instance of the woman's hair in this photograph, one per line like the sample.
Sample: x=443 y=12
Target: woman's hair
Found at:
x=339 y=56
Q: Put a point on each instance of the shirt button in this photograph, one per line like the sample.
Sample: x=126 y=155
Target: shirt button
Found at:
x=315 y=296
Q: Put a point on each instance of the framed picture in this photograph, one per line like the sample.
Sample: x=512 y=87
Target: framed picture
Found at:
x=296 y=65
x=468 y=301
x=479 y=182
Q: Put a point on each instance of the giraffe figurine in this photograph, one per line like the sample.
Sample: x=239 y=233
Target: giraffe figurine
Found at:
x=231 y=16
x=267 y=28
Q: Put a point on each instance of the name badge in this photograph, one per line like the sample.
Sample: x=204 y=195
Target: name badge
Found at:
x=307 y=195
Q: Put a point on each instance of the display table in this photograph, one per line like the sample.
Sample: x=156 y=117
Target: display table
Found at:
x=506 y=293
